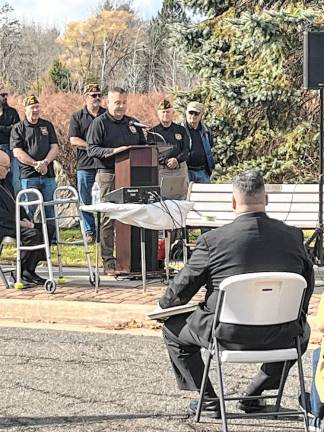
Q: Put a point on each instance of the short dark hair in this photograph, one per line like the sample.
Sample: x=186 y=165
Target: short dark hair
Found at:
x=249 y=182
x=119 y=90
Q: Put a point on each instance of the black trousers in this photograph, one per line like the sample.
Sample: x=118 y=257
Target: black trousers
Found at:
x=184 y=351
x=31 y=237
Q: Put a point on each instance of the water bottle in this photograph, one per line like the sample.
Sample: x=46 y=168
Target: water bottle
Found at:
x=95 y=193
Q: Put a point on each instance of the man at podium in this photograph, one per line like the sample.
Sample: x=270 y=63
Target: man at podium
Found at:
x=108 y=134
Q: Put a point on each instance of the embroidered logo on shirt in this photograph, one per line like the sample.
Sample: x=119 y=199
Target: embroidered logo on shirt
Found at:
x=178 y=137
x=43 y=130
x=133 y=129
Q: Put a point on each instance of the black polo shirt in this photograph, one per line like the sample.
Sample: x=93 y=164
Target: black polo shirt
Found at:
x=106 y=133
x=175 y=135
x=79 y=125
x=35 y=140
x=7 y=120
x=197 y=155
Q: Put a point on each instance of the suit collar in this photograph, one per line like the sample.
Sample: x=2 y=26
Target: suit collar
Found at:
x=251 y=215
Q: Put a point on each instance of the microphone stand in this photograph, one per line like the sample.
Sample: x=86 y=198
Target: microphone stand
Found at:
x=317 y=252
x=158 y=135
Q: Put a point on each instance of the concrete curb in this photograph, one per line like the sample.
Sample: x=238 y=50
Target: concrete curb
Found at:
x=72 y=312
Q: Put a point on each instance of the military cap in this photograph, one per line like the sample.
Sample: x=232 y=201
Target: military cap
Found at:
x=164 y=105
x=91 y=88
x=30 y=100
x=195 y=106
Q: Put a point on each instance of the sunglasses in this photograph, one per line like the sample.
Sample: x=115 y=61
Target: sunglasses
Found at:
x=195 y=113
x=4 y=94
x=95 y=95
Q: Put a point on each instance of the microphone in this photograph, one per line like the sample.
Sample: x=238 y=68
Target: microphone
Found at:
x=137 y=124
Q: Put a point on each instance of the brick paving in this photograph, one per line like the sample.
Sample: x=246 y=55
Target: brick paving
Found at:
x=114 y=291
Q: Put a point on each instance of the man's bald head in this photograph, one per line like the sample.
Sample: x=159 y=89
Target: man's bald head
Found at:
x=249 y=192
x=4 y=164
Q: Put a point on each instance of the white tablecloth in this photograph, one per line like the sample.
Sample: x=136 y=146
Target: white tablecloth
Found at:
x=169 y=214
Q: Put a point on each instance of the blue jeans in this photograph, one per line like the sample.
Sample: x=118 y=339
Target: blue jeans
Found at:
x=317 y=406
x=14 y=175
x=200 y=176
x=47 y=186
x=85 y=180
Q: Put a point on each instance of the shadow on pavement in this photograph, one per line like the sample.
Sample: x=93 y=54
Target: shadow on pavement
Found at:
x=10 y=422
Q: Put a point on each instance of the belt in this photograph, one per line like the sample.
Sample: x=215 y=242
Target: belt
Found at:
x=197 y=168
x=106 y=170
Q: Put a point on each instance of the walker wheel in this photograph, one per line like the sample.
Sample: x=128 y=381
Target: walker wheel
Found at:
x=93 y=279
x=50 y=286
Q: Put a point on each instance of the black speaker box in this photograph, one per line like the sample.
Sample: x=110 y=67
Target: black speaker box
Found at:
x=314 y=60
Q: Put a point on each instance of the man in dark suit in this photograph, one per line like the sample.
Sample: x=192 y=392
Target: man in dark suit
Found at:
x=252 y=243
x=30 y=235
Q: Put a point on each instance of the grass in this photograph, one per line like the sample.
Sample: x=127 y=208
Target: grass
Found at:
x=73 y=255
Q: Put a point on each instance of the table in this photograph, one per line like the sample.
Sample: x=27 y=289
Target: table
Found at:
x=163 y=215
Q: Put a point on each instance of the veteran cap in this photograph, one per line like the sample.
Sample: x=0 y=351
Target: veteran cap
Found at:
x=91 y=88
x=164 y=104
x=195 y=106
x=30 y=100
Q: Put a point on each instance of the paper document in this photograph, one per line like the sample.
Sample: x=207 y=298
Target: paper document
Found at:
x=162 y=314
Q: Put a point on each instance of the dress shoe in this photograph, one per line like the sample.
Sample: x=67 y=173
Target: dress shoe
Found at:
x=209 y=409
x=26 y=282
x=251 y=405
x=109 y=268
x=32 y=277
x=38 y=278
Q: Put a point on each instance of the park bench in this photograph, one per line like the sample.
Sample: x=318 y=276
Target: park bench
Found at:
x=294 y=204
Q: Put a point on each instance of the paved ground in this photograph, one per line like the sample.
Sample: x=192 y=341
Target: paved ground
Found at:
x=68 y=381
x=77 y=381
x=119 y=304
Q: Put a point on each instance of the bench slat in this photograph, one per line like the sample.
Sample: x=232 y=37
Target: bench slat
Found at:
x=294 y=204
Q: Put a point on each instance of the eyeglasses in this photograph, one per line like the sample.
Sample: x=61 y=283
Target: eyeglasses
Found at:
x=4 y=94
x=95 y=95
x=195 y=113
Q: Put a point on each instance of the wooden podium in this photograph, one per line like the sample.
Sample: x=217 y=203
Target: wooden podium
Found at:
x=136 y=166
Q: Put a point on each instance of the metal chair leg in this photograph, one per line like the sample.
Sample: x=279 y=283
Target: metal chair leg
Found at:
x=203 y=386
x=302 y=382
x=281 y=386
x=221 y=390
x=4 y=279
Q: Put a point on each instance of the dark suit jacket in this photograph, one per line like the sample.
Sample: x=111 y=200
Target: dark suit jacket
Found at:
x=253 y=242
x=8 y=210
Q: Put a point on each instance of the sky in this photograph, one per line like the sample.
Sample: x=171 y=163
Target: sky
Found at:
x=59 y=12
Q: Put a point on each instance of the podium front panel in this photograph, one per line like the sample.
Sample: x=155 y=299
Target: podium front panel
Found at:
x=137 y=166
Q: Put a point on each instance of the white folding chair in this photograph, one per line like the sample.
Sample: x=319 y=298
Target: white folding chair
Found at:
x=257 y=299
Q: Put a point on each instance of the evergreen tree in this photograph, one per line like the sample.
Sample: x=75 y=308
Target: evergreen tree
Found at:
x=61 y=76
x=247 y=56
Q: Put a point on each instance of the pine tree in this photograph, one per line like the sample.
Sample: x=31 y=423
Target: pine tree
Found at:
x=61 y=76
x=247 y=56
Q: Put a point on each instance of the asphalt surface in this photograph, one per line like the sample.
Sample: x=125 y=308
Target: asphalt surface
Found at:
x=73 y=381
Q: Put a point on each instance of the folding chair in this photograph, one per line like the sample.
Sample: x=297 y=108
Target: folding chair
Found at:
x=285 y=293
x=7 y=270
